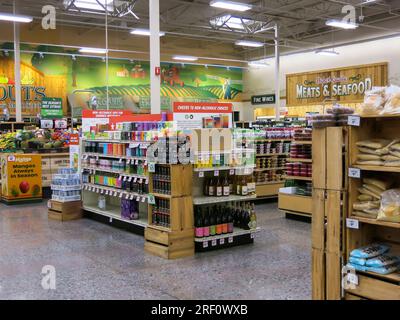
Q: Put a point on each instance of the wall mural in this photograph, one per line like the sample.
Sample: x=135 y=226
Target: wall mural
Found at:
x=81 y=82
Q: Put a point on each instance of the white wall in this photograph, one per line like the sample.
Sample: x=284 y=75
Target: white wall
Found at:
x=261 y=81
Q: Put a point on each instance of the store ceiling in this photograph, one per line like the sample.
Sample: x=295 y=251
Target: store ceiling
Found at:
x=188 y=28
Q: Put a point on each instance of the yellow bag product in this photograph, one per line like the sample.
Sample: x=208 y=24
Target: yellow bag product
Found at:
x=395 y=147
x=362 y=157
x=365 y=197
x=364 y=215
x=367 y=192
x=368 y=151
x=371 y=162
x=390 y=206
x=392 y=163
x=381 y=184
x=375 y=190
x=386 y=149
x=390 y=157
x=361 y=206
x=374 y=143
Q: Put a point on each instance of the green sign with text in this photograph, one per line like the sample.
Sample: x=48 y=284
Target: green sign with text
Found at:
x=51 y=108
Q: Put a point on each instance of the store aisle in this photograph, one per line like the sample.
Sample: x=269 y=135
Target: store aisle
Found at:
x=95 y=261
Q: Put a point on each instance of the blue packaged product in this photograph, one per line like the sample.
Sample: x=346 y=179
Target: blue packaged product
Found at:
x=370 y=251
x=381 y=261
x=384 y=269
x=358 y=261
x=356 y=267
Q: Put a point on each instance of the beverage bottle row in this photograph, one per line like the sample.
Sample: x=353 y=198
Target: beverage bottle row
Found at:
x=161 y=213
x=115 y=149
x=112 y=180
x=225 y=186
x=162 y=180
x=217 y=220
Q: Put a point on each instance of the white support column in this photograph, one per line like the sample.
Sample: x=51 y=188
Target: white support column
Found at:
x=155 y=87
x=277 y=75
x=17 y=72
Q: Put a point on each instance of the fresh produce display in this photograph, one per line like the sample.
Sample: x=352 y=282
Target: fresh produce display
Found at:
x=35 y=139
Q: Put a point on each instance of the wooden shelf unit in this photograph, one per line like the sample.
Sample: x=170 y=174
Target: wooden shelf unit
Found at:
x=370 y=285
x=177 y=240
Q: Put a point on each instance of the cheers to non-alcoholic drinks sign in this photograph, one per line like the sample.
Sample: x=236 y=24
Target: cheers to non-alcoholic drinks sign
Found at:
x=346 y=85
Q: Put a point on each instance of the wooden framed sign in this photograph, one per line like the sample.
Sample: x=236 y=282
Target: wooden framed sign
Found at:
x=346 y=85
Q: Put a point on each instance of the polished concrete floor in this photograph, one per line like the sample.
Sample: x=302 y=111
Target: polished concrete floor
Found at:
x=96 y=261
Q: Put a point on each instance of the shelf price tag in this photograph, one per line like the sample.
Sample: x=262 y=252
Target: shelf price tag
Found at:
x=231 y=172
x=222 y=241
x=230 y=240
x=144 y=199
x=132 y=197
x=201 y=174
x=147 y=181
x=352 y=278
x=352 y=223
x=121 y=195
x=152 y=199
x=354 y=121
x=216 y=173
x=214 y=242
x=252 y=235
x=152 y=167
x=137 y=199
x=354 y=173
x=218 y=157
x=111 y=220
x=205 y=244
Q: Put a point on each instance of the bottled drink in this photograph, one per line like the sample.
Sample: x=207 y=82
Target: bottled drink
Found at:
x=225 y=220
x=251 y=185
x=211 y=188
x=206 y=186
x=218 y=229
x=219 y=188
x=213 y=222
x=226 y=189
x=238 y=186
x=253 y=217
x=206 y=225
x=243 y=187
x=246 y=218
x=230 y=219
x=231 y=185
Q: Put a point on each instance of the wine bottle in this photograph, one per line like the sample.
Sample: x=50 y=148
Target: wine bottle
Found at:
x=206 y=186
x=219 y=188
x=226 y=190
x=206 y=225
x=230 y=219
x=231 y=185
x=225 y=220
x=198 y=225
x=211 y=192
x=238 y=186
x=253 y=217
x=218 y=229
x=213 y=222
x=243 y=187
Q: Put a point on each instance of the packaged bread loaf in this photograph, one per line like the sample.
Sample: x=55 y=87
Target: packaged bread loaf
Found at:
x=362 y=157
x=380 y=184
x=373 y=143
x=361 y=206
x=390 y=206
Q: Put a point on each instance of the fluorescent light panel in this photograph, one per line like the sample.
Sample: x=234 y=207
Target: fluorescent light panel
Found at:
x=341 y=24
x=93 y=50
x=258 y=63
x=94 y=5
x=15 y=18
x=230 y=5
x=185 y=58
x=325 y=52
x=247 y=43
x=144 y=32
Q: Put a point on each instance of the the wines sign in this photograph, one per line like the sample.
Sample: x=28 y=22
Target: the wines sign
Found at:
x=343 y=84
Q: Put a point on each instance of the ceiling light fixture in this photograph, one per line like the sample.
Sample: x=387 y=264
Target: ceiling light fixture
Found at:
x=230 y=5
x=247 y=43
x=97 y=5
x=144 y=32
x=93 y=50
x=326 y=52
x=185 y=58
x=15 y=18
x=341 y=24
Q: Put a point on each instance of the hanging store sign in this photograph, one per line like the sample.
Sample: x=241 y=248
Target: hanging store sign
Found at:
x=51 y=108
x=346 y=85
x=263 y=99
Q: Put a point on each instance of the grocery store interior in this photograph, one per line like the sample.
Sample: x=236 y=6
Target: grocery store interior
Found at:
x=199 y=149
